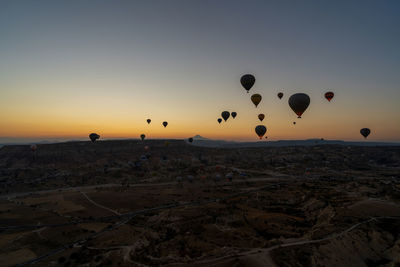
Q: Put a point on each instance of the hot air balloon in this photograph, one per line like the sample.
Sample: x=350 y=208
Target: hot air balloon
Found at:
x=190 y=140
x=219 y=120
x=33 y=147
x=329 y=96
x=247 y=81
x=260 y=130
x=142 y=136
x=93 y=137
x=261 y=116
x=165 y=124
x=294 y=122
x=299 y=103
x=256 y=99
x=280 y=95
x=148 y=121
x=233 y=114
x=365 y=132
x=225 y=115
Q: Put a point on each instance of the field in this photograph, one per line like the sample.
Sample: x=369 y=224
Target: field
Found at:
x=157 y=202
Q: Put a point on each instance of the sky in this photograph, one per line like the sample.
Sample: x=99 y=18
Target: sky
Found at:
x=69 y=68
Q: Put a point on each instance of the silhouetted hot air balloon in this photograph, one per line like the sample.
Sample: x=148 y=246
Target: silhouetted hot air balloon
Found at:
x=148 y=121
x=256 y=99
x=365 y=132
x=280 y=95
x=219 y=120
x=33 y=147
x=294 y=122
x=190 y=140
x=165 y=124
x=93 y=137
x=225 y=115
x=299 y=103
x=247 y=81
x=233 y=114
x=142 y=136
x=261 y=116
x=260 y=130
x=329 y=96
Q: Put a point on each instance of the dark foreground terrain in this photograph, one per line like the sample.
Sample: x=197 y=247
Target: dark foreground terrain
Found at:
x=133 y=203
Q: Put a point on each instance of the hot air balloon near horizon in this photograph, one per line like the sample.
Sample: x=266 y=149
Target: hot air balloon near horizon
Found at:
x=142 y=136
x=33 y=147
x=148 y=121
x=365 y=132
x=247 y=81
x=165 y=124
x=299 y=103
x=260 y=130
x=256 y=99
x=94 y=136
x=261 y=116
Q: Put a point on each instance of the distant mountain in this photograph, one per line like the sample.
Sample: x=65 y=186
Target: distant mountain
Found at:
x=199 y=137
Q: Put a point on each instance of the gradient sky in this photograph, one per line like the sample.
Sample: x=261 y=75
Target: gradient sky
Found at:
x=68 y=68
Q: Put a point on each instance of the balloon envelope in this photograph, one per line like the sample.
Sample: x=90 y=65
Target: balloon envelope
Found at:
x=93 y=137
x=148 y=121
x=260 y=130
x=329 y=96
x=280 y=95
x=299 y=103
x=261 y=116
x=142 y=136
x=247 y=81
x=256 y=99
x=225 y=115
x=190 y=140
x=219 y=120
x=365 y=132
x=165 y=124
x=233 y=114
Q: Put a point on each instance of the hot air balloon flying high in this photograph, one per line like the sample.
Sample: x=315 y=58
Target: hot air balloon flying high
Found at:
x=261 y=116
x=256 y=99
x=299 y=103
x=294 y=122
x=247 y=81
x=225 y=115
x=148 y=121
x=233 y=114
x=260 y=130
x=219 y=120
x=365 y=132
x=165 y=124
x=329 y=96
x=142 y=136
x=280 y=95
x=94 y=136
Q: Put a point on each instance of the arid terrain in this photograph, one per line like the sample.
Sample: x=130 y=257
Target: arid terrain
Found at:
x=157 y=202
